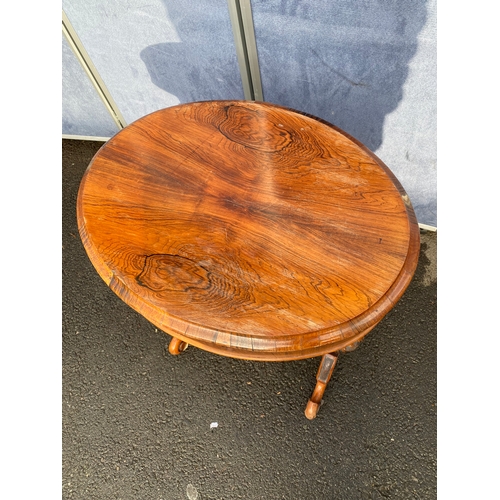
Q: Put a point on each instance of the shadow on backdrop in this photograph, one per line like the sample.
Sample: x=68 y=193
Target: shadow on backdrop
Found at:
x=203 y=66
x=345 y=61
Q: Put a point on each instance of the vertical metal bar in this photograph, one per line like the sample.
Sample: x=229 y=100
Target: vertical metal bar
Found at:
x=251 y=48
x=241 y=52
x=91 y=71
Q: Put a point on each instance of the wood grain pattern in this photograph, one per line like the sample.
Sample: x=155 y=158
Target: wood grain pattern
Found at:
x=248 y=229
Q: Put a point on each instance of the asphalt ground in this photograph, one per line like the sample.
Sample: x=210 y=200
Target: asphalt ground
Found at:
x=138 y=423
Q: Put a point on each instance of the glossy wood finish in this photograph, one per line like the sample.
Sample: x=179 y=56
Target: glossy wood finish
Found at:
x=248 y=229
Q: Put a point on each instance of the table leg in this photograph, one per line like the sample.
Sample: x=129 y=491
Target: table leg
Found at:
x=176 y=346
x=326 y=367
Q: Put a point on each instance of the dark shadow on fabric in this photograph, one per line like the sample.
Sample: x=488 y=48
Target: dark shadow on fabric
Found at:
x=203 y=66
x=344 y=61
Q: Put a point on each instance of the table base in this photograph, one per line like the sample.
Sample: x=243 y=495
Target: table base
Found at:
x=323 y=376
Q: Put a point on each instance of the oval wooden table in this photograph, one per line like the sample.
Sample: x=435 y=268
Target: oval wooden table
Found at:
x=249 y=230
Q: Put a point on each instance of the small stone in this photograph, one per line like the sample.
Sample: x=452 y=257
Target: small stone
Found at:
x=192 y=492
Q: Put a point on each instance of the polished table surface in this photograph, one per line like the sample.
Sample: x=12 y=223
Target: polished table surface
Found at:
x=248 y=229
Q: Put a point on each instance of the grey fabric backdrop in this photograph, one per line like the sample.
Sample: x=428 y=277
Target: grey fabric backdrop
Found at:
x=368 y=67
x=83 y=112
x=156 y=54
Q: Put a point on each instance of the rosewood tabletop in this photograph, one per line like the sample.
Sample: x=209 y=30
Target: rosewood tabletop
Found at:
x=249 y=230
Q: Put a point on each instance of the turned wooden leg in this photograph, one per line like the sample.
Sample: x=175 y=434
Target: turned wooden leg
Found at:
x=326 y=367
x=176 y=346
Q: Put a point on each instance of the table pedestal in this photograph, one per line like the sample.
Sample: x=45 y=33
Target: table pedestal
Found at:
x=323 y=376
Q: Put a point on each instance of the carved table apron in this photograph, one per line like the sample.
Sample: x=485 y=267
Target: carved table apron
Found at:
x=249 y=230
